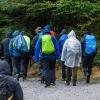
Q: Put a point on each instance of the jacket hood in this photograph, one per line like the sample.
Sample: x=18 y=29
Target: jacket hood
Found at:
x=16 y=33
x=71 y=34
x=8 y=35
x=47 y=29
x=4 y=67
x=63 y=32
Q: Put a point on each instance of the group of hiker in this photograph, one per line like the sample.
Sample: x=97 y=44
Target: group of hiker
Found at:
x=69 y=50
x=17 y=48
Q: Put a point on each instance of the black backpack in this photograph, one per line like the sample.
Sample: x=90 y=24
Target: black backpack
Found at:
x=5 y=93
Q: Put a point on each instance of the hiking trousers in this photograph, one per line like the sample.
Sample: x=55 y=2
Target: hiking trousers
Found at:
x=71 y=72
x=24 y=65
x=16 y=64
x=87 y=64
x=63 y=71
x=48 y=67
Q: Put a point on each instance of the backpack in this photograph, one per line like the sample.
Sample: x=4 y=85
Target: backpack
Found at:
x=47 y=44
x=5 y=94
x=22 y=43
x=90 y=41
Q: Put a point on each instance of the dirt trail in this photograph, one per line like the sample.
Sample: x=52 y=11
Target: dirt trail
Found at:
x=33 y=90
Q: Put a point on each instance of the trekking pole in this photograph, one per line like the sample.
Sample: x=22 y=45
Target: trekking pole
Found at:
x=10 y=98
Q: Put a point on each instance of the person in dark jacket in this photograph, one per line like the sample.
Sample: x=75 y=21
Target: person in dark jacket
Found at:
x=12 y=86
x=38 y=32
x=62 y=40
x=87 y=58
x=48 y=61
x=15 y=55
x=5 y=45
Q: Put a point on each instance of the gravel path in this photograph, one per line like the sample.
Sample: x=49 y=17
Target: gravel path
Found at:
x=33 y=90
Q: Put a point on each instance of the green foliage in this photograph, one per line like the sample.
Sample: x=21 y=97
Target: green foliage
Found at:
x=27 y=14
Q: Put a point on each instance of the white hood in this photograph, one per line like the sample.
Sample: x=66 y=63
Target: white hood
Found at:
x=71 y=34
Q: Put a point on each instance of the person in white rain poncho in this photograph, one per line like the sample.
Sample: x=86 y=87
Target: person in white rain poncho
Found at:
x=71 y=55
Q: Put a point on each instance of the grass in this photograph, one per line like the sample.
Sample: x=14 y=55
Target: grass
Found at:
x=34 y=72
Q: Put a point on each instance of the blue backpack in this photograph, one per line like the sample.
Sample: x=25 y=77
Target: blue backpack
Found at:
x=90 y=41
x=21 y=44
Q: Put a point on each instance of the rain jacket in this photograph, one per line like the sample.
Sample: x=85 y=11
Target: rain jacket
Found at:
x=62 y=40
x=71 y=52
x=13 y=52
x=12 y=84
x=39 y=54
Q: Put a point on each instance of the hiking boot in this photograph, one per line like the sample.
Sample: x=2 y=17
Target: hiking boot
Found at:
x=88 y=79
x=67 y=83
x=17 y=76
x=53 y=84
x=74 y=84
x=47 y=86
x=24 y=77
x=42 y=82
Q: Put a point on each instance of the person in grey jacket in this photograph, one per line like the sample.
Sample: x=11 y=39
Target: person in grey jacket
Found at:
x=12 y=86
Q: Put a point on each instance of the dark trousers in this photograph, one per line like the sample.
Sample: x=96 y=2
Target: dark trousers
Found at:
x=16 y=64
x=24 y=65
x=8 y=59
x=48 y=67
x=87 y=64
x=63 y=71
x=71 y=72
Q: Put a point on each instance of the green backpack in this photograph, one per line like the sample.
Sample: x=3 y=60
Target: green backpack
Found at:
x=47 y=44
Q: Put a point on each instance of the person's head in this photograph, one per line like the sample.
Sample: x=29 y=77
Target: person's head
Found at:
x=8 y=35
x=63 y=31
x=71 y=34
x=86 y=32
x=22 y=33
x=15 y=33
x=46 y=31
x=38 y=30
x=4 y=67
